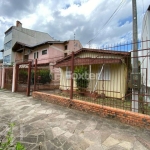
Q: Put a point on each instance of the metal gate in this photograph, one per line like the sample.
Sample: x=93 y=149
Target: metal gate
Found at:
x=8 y=78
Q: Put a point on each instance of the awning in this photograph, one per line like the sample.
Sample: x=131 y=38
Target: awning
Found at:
x=88 y=61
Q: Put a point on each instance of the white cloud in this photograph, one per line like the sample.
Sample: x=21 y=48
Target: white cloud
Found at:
x=84 y=17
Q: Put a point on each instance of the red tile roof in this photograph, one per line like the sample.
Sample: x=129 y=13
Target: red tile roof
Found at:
x=88 y=61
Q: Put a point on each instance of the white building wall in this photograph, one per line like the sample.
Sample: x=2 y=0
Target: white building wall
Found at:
x=145 y=61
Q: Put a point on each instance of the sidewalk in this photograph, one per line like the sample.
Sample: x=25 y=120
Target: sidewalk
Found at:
x=59 y=128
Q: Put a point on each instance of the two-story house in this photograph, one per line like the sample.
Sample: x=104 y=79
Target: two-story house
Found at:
x=46 y=53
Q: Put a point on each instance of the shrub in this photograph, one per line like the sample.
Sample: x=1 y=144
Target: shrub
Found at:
x=45 y=76
x=23 y=75
x=81 y=79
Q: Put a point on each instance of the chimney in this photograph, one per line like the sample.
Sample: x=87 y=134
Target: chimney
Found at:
x=18 y=24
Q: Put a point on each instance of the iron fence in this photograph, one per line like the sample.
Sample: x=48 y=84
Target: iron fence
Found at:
x=105 y=76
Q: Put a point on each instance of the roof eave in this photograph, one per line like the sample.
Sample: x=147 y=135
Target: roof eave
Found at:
x=8 y=29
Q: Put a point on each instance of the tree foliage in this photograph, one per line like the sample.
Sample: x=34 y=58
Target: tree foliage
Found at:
x=82 y=75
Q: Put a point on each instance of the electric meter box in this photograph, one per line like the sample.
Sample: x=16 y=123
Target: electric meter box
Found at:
x=136 y=80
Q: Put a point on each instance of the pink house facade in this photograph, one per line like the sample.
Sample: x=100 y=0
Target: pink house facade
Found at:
x=46 y=53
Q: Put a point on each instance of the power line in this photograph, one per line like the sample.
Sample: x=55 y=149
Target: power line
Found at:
x=117 y=9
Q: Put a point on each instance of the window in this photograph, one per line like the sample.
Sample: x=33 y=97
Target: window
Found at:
x=7 y=59
x=7 y=45
x=66 y=47
x=68 y=73
x=36 y=55
x=44 y=52
x=105 y=73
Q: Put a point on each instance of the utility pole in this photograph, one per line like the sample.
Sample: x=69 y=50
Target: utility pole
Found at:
x=134 y=56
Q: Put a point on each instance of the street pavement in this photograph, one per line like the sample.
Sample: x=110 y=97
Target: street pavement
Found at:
x=44 y=126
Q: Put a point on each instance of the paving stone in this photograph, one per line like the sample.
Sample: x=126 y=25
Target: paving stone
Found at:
x=68 y=134
x=30 y=139
x=57 y=131
x=139 y=146
x=117 y=147
x=124 y=137
x=61 y=128
x=95 y=147
x=80 y=126
x=62 y=138
x=126 y=145
x=105 y=134
x=48 y=134
x=93 y=136
x=41 y=138
x=56 y=142
x=110 y=142
x=67 y=145
x=40 y=124
x=50 y=146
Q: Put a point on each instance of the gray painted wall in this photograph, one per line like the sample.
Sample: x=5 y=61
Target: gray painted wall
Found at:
x=26 y=36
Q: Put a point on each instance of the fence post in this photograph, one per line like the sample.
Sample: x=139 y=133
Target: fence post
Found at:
x=35 y=71
x=3 y=77
x=13 y=78
x=16 y=77
x=72 y=70
x=29 y=79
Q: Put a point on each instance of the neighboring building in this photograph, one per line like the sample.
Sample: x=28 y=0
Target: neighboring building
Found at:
x=108 y=70
x=145 y=59
x=46 y=53
x=19 y=34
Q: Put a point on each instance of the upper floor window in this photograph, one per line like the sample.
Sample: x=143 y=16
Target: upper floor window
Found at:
x=7 y=59
x=7 y=45
x=66 y=47
x=36 y=55
x=44 y=52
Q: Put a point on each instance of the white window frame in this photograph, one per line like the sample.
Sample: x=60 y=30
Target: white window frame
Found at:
x=45 y=50
x=68 y=73
x=105 y=74
x=36 y=55
x=8 y=45
x=7 y=57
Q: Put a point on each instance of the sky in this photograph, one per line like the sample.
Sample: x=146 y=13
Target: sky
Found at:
x=98 y=22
